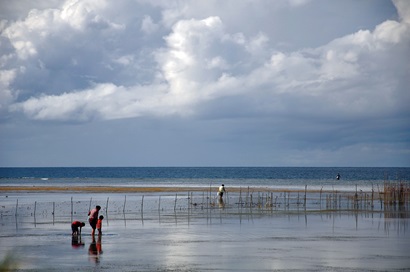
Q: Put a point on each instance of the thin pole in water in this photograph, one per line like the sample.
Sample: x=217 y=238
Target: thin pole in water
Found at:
x=142 y=205
x=125 y=201
x=89 y=207
x=304 y=200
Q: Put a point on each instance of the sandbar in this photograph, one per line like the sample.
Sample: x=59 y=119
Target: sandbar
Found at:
x=142 y=189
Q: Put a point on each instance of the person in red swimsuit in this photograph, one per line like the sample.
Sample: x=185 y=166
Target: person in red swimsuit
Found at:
x=75 y=226
x=99 y=224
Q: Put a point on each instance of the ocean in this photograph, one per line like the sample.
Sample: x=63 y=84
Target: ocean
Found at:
x=175 y=231
x=365 y=178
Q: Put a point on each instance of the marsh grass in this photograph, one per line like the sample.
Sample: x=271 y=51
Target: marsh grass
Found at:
x=396 y=193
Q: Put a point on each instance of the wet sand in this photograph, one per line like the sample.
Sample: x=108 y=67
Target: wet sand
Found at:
x=168 y=229
x=130 y=189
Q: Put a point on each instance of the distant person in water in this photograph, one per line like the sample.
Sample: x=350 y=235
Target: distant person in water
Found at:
x=337 y=176
x=76 y=227
x=99 y=224
x=93 y=218
x=221 y=191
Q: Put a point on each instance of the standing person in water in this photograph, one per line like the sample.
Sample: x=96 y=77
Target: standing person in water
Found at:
x=338 y=176
x=221 y=191
x=99 y=224
x=93 y=218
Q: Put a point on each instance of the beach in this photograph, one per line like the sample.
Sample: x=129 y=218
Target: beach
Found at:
x=176 y=229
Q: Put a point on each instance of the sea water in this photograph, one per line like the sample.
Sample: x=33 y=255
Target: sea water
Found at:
x=365 y=178
x=162 y=236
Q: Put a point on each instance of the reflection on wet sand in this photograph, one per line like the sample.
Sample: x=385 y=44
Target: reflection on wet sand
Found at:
x=255 y=233
x=221 y=203
x=95 y=249
x=76 y=241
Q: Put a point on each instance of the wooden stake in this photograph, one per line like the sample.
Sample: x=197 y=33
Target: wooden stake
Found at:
x=125 y=201
x=304 y=200
x=89 y=207
x=175 y=204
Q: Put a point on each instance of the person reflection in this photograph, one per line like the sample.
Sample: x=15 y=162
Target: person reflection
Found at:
x=221 y=203
x=95 y=249
x=76 y=241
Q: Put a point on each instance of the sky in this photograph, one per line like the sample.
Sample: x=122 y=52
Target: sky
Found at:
x=204 y=83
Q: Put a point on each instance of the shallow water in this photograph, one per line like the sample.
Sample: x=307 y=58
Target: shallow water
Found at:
x=174 y=238
x=316 y=178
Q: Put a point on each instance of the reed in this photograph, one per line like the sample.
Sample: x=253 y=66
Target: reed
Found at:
x=394 y=198
x=396 y=193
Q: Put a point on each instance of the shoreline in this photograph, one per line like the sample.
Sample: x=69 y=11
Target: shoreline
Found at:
x=152 y=189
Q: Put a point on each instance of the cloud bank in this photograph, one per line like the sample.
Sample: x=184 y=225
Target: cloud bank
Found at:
x=82 y=61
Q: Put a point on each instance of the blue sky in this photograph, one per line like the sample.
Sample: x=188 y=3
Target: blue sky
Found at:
x=204 y=83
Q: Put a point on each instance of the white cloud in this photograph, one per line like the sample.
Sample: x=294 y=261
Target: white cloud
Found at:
x=84 y=14
x=103 y=101
x=195 y=71
x=403 y=8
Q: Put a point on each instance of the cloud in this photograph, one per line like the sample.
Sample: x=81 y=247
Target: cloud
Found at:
x=102 y=101
x=148 y=25
x=199 y=61
x=7 y=96
x=403 y=8
x=88 y=61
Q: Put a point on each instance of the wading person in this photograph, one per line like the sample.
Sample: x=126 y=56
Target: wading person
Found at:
x=221 y=191
x=76 y=227
x=99 y=224
x=93 y=218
